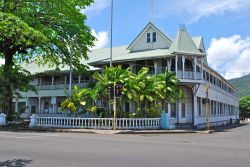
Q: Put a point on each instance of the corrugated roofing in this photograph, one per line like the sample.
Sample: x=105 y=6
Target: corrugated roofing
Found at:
x=183 y=43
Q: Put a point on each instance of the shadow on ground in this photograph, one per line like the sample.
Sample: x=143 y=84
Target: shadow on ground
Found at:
x=227 y=128
x=15 y=163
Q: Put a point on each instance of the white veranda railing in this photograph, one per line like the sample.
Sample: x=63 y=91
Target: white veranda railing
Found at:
x=97 y=123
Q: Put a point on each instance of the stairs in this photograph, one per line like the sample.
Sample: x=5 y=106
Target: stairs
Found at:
x=184 y=126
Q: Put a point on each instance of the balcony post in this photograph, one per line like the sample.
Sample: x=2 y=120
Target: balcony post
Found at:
x=195 y=62
x=52 y=80
x=169 y=64
x=65 y=79
x=27 y=105
x=202 y=61
x=155 y=66
x=176 y=65
x=195 y=109
x=183 y=66
x=16 y=106
x=79 y=78
x=39 y=104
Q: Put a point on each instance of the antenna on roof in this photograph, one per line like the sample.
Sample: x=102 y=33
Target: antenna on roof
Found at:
x=182 y=26
x=151 y=15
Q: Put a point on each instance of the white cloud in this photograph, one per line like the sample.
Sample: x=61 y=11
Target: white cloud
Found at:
x=102 y=39
x=97 y=6
x=230 y=56
x=194 y=10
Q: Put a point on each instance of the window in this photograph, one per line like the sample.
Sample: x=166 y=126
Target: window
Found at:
x=33 y=109
x=21 y=107
x=154 y=36
x=173 y=110
x=203 y=107
x=199 y=105
x=183 y=110
x=148 y=38
x=46 y=104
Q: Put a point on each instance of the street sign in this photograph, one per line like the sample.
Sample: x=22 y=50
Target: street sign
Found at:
x=53 y=100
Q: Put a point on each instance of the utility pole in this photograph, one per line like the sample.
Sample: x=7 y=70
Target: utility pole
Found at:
x=111 y=56
x=114 y=106
x=111 y=33
x=207 y=111
x=70 y=67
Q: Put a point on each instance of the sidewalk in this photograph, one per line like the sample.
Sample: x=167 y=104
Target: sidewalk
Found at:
x=100 y=131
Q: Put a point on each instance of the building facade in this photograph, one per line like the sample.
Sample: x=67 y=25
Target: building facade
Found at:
x=184 y=55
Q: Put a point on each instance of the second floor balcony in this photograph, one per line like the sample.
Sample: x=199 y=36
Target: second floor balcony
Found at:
x=189 y=75
x=60 y=85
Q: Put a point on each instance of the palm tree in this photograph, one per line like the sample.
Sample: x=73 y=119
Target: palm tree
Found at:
x=145 y=90
x=110 y=77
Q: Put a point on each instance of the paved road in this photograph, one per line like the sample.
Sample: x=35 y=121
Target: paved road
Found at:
x=229 y=149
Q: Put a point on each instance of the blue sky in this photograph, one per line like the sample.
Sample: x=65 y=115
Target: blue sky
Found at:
x=224 y=25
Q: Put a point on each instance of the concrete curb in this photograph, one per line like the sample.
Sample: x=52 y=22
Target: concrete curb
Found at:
x=94 y=131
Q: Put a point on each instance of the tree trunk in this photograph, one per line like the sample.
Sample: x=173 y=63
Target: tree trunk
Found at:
x=7 y=74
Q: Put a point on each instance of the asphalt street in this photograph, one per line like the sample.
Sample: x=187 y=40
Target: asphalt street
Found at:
x=221 y=149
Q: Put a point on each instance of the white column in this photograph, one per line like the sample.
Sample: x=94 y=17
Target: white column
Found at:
x=183 y=66
x=169 y=64
x=202 y=61
x=65 y=80
x=195 y=62
x=16 y=105
x=39 y=104
x=27 y=105
x=177 y=113
x=201 y=105
x=79 y=78
x=176 y=65
x=53 y=79
x=169 y=109
x=195 y=107
x=155 y=66
x=179 y=109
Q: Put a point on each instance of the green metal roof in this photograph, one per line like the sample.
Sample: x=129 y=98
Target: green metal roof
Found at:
x=183 y=43
x=199 y=42
x=149 y=54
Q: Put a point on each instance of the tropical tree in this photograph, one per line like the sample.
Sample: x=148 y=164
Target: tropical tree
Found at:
x=109 y=78
x=244 y=107
x=147 y=91
x=81 y=100
x=18 y=80
x=42 y=31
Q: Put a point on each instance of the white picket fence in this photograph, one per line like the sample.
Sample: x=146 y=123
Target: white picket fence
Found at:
x=96 y=123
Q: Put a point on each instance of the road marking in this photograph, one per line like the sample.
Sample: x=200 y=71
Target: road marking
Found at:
x=11 y=135
x=35 y=136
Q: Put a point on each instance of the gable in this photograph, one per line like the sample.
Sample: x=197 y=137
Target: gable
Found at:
x=141 y=42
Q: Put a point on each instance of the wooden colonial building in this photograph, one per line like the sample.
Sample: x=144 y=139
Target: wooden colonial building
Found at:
x=151 y=48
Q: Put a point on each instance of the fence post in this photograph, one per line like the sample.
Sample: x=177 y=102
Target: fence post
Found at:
x=32 y=121
x=2 y=119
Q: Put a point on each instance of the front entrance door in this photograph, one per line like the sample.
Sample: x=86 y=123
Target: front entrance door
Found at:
x=183 y=113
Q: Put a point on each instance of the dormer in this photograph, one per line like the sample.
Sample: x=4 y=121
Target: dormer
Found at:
x=150 y=38
x=199 y=43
